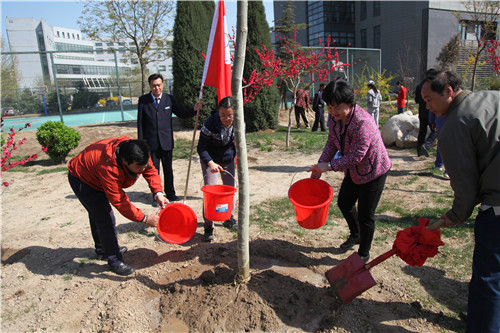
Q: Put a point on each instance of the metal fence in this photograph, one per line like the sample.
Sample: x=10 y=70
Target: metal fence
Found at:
x=77 y=88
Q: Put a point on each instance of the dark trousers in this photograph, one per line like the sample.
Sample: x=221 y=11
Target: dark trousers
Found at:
x=101 y=218
x=165 y=156
x=319 y=118
x=423 y=118
x=361 y=221
x=300 y=112
x=483 y=313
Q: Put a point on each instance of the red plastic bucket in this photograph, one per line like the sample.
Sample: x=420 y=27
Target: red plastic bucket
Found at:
x=218 y=201
x=311 y=199
x=177 y=223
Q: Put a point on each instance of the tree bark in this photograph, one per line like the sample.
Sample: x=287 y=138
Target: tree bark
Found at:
x=241 y=151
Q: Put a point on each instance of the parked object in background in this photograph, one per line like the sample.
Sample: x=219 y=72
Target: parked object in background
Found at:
x=126 y=102
x=8 y=111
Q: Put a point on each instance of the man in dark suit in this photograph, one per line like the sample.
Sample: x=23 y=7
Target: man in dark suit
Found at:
x=154 y=124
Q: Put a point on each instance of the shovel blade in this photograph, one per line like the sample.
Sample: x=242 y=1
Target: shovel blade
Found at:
x=350 y=278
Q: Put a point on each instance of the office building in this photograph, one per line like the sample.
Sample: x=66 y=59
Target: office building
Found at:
x=410 y=34
x=74 y=58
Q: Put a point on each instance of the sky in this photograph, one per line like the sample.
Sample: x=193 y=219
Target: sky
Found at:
x=66 y=13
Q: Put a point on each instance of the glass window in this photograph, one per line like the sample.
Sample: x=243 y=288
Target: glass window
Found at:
x=63 y=34
x=57 y=33
x=362 y=14
x=376 y=8
x=376 y=36
x=98 y=44
x=363 y=38
x=162 y=68
x=110 y=44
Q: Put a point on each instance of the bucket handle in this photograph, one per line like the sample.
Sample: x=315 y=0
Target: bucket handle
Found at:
x=225 y=171
x=327 y=176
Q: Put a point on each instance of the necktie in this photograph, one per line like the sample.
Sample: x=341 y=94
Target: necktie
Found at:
x=157 y=102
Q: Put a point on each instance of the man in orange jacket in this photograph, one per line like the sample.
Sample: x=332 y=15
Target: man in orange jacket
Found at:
x=98 y=176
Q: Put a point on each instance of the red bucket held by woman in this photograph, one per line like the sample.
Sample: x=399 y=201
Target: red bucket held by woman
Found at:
x=218 y=201
x=311 y=199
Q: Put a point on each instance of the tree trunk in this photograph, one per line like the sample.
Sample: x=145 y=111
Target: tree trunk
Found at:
x=292 y=108
x=241 y=151
x=145 y=87
x=474 y=69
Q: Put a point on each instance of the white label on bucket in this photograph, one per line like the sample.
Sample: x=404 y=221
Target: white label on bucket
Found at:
x=221 y=208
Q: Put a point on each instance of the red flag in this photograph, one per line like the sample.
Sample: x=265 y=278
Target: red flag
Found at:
x=217 y=71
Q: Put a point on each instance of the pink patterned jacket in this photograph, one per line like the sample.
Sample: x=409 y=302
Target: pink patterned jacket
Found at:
x=363 y=151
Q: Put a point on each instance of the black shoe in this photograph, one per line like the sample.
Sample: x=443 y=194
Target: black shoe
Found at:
x=122 y=269
x=208 y=236
x=365 y=258
x=349 y=243
x=463 y=315
x=231 y=224
x=174 y=198
x=101 y=256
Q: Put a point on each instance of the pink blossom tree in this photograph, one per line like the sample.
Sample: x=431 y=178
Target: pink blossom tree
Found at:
x=298 y=69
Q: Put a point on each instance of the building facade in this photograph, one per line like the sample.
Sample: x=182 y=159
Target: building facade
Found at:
x=72 y=57
x=410 y=34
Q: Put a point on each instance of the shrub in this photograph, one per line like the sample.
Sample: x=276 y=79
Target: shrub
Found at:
x=59 y=140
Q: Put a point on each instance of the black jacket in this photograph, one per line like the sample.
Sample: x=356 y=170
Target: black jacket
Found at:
x=212 y=145
x=155 y=124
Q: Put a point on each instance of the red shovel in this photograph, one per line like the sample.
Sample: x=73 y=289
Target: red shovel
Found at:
x=352 y=276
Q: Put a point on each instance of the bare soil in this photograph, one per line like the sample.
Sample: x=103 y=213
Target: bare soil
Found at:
x=51 y=280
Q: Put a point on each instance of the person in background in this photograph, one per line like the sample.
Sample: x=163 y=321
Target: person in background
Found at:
x=217 y=154
x=354 y=146
x=373 y=100
x=301 y=106
x=401 y=97
x=436 y=123
x=154 y=124
x=469 y=143
x=319 y=110
x=98 y=176
x=423 y=144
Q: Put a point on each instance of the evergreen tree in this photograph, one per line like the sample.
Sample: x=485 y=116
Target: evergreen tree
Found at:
x=30 y=103
x=84 y=98
x=192 y=25
x=262 y=112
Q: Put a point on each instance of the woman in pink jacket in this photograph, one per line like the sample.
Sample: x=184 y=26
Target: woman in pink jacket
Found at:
x=354 y=146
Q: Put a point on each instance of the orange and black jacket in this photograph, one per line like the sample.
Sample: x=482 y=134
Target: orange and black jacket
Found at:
x=99 y=166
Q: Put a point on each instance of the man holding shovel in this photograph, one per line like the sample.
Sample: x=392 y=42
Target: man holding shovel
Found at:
x=469 y=143
x=98 y=176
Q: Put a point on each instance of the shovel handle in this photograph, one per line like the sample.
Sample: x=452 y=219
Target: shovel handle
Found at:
x=380 y=258
x=436 y=225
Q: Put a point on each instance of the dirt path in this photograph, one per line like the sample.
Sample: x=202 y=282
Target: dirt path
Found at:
x=51 y=280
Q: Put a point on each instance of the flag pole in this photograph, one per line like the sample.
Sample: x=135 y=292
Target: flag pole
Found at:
x=192 y=146
x=217 y=69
